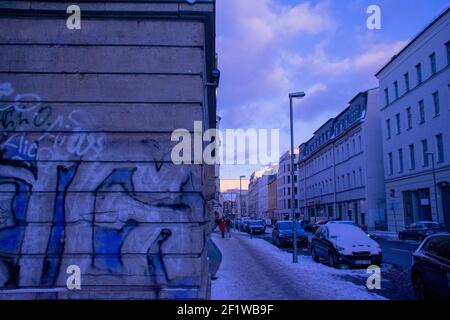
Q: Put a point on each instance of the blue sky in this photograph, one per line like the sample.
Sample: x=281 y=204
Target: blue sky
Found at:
x=268 y=48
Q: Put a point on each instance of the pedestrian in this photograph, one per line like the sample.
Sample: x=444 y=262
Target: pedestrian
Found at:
x=222 y=227
x=228 y=226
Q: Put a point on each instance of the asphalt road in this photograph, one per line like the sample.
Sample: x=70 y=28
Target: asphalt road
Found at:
x=398 y=253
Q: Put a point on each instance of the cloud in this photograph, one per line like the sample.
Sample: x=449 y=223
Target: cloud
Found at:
x=268 y=49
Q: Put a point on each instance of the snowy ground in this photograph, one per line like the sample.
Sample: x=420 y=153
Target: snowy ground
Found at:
x=254 y=269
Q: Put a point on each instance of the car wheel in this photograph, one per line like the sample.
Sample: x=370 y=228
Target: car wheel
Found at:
x=420 y=288
x=331 y=259
x=314 y=255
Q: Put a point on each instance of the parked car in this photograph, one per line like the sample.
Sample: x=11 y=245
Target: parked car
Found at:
x=242 y=224
x=316 y=225
x=344 y=244
x=420 y=230
x=430 y=271
x=282 y=234
x=344 y=222
x=305 y=224
x=255 y=226
x=236 y=222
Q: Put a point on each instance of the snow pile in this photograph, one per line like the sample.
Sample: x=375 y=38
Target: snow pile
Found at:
x=254 y=269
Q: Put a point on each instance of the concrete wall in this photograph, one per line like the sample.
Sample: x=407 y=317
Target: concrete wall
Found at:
x=86 y=177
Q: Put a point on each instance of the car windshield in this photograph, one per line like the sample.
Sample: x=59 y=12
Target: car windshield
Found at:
x=432 y=225
x=287 y=225
x=255 y=223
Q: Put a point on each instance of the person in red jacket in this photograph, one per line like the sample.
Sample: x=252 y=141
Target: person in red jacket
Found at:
x=222 y=227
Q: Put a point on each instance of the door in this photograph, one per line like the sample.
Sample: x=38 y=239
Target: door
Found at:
x=435 y=264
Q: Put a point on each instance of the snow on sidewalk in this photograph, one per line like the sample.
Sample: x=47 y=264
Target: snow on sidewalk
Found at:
x=254 y=269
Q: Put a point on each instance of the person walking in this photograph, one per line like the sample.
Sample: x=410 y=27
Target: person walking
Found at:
x=228 y=226
x=222 y=227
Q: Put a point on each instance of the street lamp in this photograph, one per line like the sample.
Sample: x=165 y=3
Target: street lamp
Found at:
x=434 y=183
x=240 y=194
x=292 y=96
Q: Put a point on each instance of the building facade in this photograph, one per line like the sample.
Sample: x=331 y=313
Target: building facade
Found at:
x=415 y=110
x=340 y=167
x=284 y=192
x=272 y=206
x=258 y=191
x=86 y=177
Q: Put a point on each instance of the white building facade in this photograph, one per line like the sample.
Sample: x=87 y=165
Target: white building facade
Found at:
x=415 y=109
x=340 y=167
x=284 y=191
x=258 y=191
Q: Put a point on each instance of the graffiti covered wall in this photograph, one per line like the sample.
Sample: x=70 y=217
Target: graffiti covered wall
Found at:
x=86 y=177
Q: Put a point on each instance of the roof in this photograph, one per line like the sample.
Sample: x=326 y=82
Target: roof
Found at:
x=414 y=40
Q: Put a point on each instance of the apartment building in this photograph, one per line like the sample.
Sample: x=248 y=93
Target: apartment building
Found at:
x=284 y=197
x=258 y=191
x=340 y=167
x=415 y=114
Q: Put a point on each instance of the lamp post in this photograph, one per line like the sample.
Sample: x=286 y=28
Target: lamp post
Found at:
x=434 y=183
x=292 y=96
x=240 y=194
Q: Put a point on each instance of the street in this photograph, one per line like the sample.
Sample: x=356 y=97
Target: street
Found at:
x=255 y=269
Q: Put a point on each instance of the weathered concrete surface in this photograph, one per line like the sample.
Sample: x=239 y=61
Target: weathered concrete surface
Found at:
x=86 y=176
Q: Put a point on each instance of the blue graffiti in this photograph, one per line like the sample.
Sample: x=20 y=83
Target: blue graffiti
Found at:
x=12 y=233
x=55 y=246
x=108 y=245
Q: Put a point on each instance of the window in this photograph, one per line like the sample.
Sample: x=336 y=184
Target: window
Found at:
x=440 y=148
x=397 y=119
x=448 y=52
x=425 y=152
x=409 y=117
x=422 y=111
x=386 y=96
x=388 y=127
x=419 y=73
x=396 y=89
x=400 y=160
x=360 y=177
x=437 y=107
x=433 y=63
x=391 y=164
x=412 y=157
x=438 y=246
x=348 y=181
x=360 y=143
x=406 y=77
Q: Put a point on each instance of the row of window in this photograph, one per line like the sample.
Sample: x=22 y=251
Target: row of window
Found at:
x=343 y=151
x=422 y=111
x=438 y=157
x=344 y=182
x=419 y=76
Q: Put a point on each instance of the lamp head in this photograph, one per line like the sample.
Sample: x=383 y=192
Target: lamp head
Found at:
x=297 y=95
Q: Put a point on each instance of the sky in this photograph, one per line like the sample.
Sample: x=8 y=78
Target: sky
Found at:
x=268 y=48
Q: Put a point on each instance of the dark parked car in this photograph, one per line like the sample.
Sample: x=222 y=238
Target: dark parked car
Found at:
x=282 y=234
x=255 y=226
x=344 y=244
x=314 y=226
x=420 y=230
x=430 y=272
